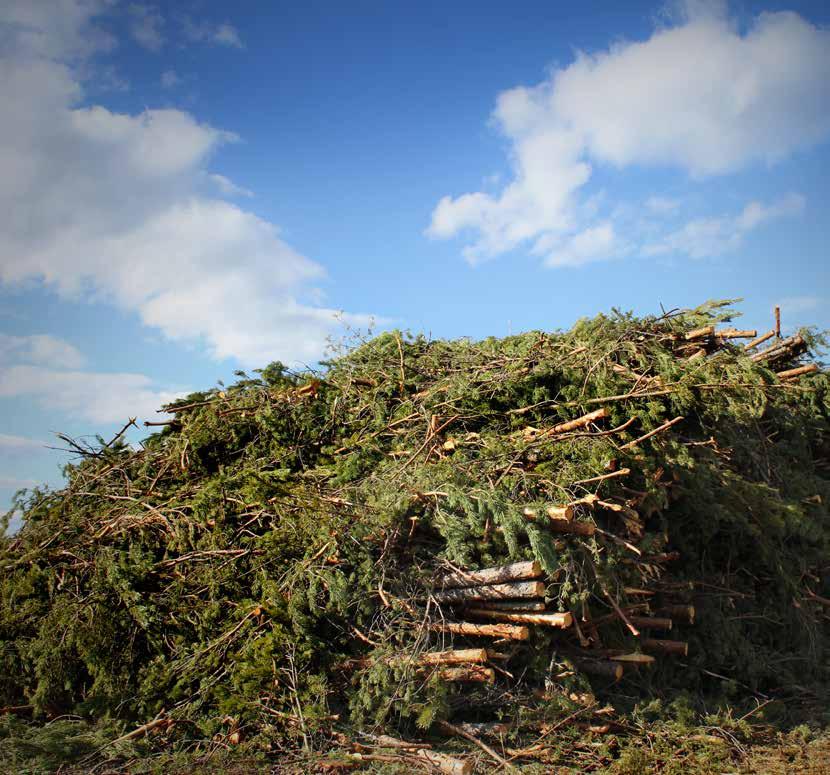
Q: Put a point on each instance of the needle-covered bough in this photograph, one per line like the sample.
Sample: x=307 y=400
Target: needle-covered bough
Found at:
x=434 y=538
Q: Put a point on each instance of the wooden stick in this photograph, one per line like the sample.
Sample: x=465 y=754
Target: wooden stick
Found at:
x=506 y=631
x=810 y=368
x=760 y=340
x=657 y=430
x=507 y=591
x=561 y=620
x=612 y=475
x=631 y=628
x=777 y=321
x=159 y=721
x=699 y=333
x=511 y=605
x=677 y=647
x=452 y=729
x=778 y=349
x=456 y=657
x=635 y=658
x=606 y=669
x=579 y=422
x=735 y=333
x=651 y=622
x=468 y=674
x=487 y=728
x=470 y=578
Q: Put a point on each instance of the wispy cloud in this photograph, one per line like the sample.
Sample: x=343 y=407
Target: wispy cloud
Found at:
x=170 y=79
x=223 y=34
x=662 y=102
x=713 y=236
x=15 y=445
x=41 y=349
x=146 y=24
x=111 y=206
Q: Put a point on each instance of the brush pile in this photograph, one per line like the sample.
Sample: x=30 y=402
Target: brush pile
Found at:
x=440 y=537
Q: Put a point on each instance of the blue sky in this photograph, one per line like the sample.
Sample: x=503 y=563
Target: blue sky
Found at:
x=190 y=188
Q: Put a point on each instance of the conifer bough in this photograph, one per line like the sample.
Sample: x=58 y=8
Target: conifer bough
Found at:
x=277 y=555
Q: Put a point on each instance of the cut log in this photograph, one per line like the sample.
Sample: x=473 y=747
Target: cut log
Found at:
x=784 y=347
x=634 y=658
x=456 y=657
x=579 y=422
x=511 y=605
x=760 y=340
x=492 y=592
x=735 y=333
x=445 y=764
x=561 y=620
x=468 y=674
x=576 y=528
x=606 y=669
x=684 y=612
x=810 y=368
x=676 y=647
x=699 y=333
x=505 y=631
x=665 y=426
x=651 y=622
x=517 y=571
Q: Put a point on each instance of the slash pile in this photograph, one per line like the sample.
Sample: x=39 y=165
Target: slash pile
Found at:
x=455 y=537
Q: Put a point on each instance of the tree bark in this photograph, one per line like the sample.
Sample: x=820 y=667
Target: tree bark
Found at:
x=506 y=631
x=676 y=647
x=561 y=620
x=516 y=571
x=492 y=592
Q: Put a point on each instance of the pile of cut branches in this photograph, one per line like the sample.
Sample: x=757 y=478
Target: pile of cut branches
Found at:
x=487 y=541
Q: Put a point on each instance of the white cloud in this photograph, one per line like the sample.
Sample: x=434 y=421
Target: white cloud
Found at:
x=704 y=237
x=93 y=396
x=109 y=206
x=13 y=483
x=700 y=95
x=207 y=32
x=227 y=187
x=145 y=26
x=797 y=304
x=41 y=349
x=170 y=79
x=597 y=243
x=16 y=445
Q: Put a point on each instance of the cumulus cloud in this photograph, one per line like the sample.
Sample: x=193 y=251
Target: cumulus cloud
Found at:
x=93 y=396
x=712 y=236
x=700 y=95
x=111 y=206
x=41 y=349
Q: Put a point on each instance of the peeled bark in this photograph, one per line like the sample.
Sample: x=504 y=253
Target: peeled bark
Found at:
x=492 y=592
x=506 y=631
x=456 y=657
x=810 y=368
x=735 y=333
x=517 y=571
x=699 y=333
x=561 y=620
x=634 y=658
x=468 y=674
x=760 y=340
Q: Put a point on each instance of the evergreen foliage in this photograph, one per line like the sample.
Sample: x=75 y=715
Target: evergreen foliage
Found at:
x=263 y=563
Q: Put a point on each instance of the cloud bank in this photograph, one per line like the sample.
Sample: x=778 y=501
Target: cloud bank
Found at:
x=701 y=96
x=110 y=206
